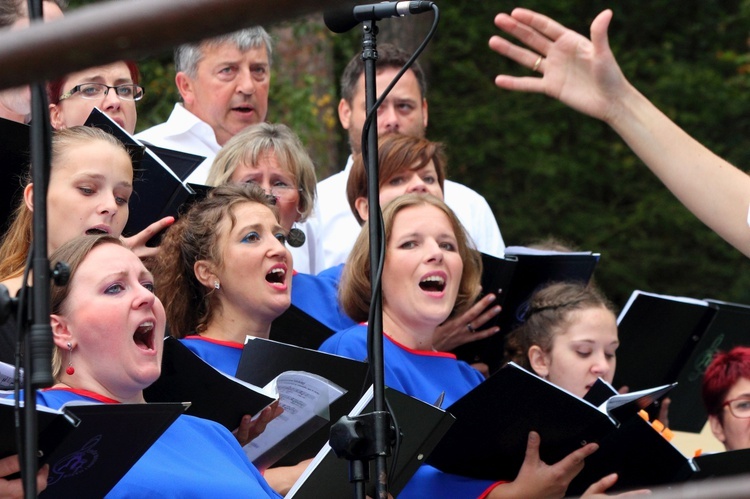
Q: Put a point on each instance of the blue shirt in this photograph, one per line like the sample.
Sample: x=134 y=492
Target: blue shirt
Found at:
x=193 y=458
x=425 y=375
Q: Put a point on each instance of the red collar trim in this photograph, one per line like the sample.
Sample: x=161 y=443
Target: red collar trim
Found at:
x=428 y=353
x=232 y=344
x=85 y=393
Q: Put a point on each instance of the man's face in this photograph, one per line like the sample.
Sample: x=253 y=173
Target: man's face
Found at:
x=230 y=89
x=403 y=111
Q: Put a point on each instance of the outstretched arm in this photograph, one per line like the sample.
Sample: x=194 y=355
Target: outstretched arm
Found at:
x=584 y=75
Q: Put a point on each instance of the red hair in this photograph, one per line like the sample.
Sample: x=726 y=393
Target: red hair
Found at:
x=55 y=90
x=722 y=374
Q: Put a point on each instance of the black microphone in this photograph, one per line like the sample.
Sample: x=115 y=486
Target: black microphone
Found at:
x=343 y=19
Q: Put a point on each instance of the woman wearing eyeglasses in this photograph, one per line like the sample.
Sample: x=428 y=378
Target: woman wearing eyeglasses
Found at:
x=112 y=88
x=726 y=395
x=272 y=156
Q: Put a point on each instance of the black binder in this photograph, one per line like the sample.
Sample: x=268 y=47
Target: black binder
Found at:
x=91 y=447
x=262 y=360
x=664 y=339
x=185 y=377
x=518 y=275
x=157 y=190
x=488 y=440
x=421 y=424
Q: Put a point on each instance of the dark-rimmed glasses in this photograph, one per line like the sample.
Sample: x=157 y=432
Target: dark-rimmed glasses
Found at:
x=126 y=91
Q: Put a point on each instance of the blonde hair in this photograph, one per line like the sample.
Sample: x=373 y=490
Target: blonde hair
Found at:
x=354 y=290
x=17 y=240
x=249 y=146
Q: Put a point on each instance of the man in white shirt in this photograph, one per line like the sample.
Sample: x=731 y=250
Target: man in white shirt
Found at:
x=404 y=111
x=224 y=84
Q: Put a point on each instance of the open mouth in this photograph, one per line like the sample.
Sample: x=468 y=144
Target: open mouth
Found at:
x=276 y=275
x=144 y=336
x=433 y=283
x=95 y=231
x=243 y=109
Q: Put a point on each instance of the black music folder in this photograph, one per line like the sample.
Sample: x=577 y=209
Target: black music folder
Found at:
x=515 y=278
x=14 y=163
x=297 y=327
x=262 y=360
x=666 y=339
x=488 y=440
x=213 y=395
x=158 y=191
x=421 y=427
x=90 y=447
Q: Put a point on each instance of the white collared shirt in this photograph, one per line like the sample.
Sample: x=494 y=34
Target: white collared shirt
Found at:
x=184 y=131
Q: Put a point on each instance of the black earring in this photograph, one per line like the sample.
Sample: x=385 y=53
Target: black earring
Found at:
x=296 y=238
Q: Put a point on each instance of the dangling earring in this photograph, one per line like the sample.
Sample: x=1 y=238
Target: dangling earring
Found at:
x=296 y=238
x=217 y=285
x=70 y=370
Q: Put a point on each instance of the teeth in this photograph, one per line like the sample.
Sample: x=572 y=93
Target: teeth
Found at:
x=146 y=326
x=434 y=278
x=279 y=271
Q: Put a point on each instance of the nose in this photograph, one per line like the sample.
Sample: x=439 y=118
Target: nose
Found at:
x=388 y=120
x=111 y=100
x=433 y=251
x=601 y=365
x=144 y=297
x=108 y=205
x=416 y=185
x=245 y=83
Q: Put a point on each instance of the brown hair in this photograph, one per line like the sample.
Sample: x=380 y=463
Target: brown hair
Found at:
x=252 y=143
x=389 y=56
x=195 y=236
x=17 y=240
x=354 y=290
x=548 y=314
x=396 y=153
x=73 y=253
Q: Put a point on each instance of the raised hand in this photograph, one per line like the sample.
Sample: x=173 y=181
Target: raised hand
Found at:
x=581 y=73
x=137 y=243
x=466 y=327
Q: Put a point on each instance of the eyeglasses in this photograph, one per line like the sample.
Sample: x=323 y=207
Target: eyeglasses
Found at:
x=280 y=190
x=739 y=407
x=128 y=91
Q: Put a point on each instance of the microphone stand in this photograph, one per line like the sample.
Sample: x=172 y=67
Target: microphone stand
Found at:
x=369 y=436
x=38 y=344
x=381 y=418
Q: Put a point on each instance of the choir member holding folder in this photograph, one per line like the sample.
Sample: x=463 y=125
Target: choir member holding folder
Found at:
x=90 y=182
x=568 y=337
x=225 y=273
x=108 y=328
x=431 y=273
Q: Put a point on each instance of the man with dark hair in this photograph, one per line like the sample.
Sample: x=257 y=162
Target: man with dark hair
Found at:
x=403 y=111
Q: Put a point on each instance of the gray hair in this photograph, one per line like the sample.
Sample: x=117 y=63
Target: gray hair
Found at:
x=187 y=56
x=248 y=147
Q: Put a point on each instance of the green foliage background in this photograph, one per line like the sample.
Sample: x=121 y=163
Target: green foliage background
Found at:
x=545 y=169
